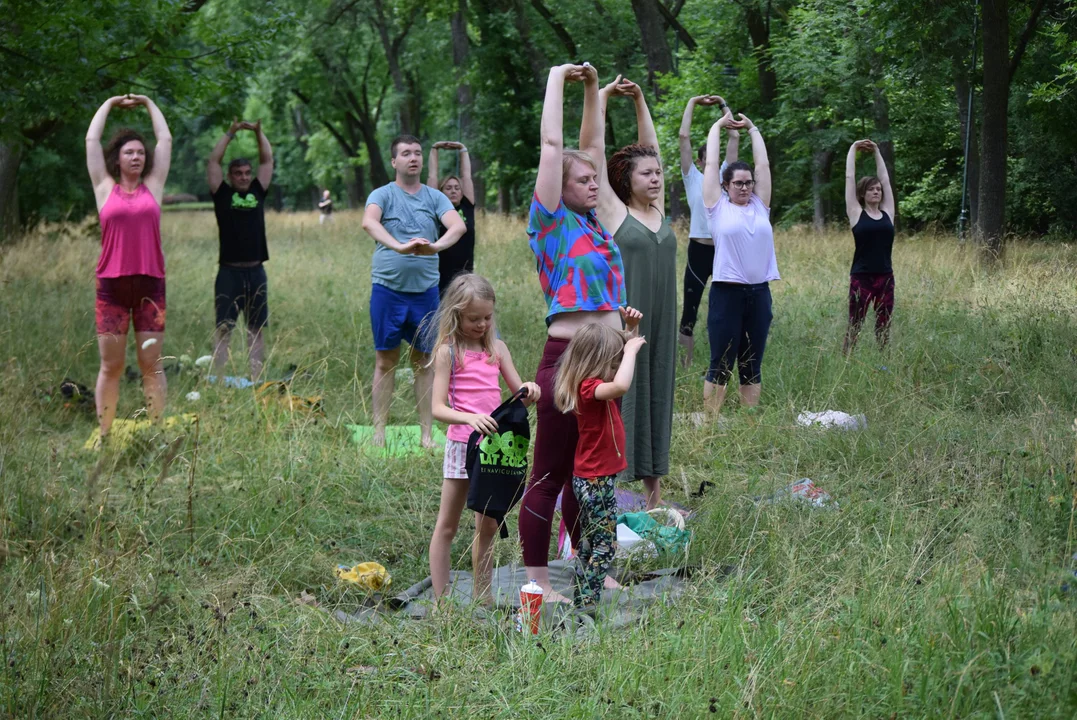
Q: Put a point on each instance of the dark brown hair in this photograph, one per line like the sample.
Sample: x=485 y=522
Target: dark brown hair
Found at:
x=622 y=164
x=702 y=153
x=862 y=186
x=238 y=163
x=402 y=140
x=727 y=176
x=112 y=152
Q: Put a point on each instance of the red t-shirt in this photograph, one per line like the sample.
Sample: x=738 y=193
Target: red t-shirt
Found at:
x=600 y=451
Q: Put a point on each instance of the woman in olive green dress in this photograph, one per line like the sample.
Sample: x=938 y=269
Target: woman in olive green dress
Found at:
x=631 y=205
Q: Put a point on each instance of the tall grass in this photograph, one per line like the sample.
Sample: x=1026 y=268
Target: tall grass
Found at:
x=936 y=591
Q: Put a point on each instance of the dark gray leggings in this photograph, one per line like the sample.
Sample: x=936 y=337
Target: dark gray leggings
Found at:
x=738 y=321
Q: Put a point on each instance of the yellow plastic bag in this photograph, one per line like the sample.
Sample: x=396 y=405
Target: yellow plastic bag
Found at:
x=369 y=576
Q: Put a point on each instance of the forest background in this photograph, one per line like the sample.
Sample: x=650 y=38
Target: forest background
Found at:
x=334 y=80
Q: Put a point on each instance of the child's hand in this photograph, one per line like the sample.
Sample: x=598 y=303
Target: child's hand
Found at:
x=533 y=393
x=631 y=317
x=482 y=423
x=634 y=344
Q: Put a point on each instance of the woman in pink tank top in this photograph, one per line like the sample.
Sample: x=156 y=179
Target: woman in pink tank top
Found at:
x=128 y=184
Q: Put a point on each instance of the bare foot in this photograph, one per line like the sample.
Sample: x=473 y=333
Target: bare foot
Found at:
x=688 y=342
x=379 y=438
x=611 y=584
x=428 y=442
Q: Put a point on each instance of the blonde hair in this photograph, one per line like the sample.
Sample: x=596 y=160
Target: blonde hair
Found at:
x=464 y=288
x=570 y=156
x=595 y=351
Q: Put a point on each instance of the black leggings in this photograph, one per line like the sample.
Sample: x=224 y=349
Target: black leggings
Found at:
x=738 y=322
x=696 y=272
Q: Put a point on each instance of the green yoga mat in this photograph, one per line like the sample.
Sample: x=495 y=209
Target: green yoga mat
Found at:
x=400 y=440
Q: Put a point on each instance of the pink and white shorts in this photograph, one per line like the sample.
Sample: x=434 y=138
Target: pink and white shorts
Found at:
x=455 y=464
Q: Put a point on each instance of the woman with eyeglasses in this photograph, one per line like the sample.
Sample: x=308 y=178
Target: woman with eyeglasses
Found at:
x=869 y=204
x=738 y=319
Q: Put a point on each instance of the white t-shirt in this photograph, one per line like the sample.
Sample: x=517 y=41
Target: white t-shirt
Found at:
x=744 y=242
x=693 y=188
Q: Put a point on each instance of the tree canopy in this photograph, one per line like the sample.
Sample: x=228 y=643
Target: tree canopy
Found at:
x=334 y=80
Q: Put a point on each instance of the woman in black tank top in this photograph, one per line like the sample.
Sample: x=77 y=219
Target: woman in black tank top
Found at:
x=869 y=204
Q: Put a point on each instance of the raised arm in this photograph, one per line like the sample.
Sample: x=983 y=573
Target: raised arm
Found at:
x=622 y=381
x=214 y=172
x=712 y=173
x=760 y=160
x=646 y=135
x=95 y=153
x=889 y=203
x=468 y=185
x=162 y=151
x=611 y=211
x=432 y=173
x=732 y=145
x=548 y=182
x=852 y=204
x=265 y=156
x=684 y=136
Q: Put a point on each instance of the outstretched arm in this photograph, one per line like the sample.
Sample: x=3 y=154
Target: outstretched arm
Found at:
x=214 y=172
x=95 y=154
x=162 y=152
x=760 y=160
x=432 y=173
x=852 y=204
x=548 y=182
x=467 y=184
x=889 y=203
x=265 y=156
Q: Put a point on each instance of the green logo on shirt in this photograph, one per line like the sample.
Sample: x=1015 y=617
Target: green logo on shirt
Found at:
x=248 y=203
x=507 y=449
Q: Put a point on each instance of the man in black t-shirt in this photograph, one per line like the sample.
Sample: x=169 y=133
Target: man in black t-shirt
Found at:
x=239 y=205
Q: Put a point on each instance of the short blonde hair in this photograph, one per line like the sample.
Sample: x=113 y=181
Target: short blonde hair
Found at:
x=595 y=351
x=570 y=156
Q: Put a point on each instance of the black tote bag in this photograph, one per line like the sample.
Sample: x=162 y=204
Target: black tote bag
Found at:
x=497 y=464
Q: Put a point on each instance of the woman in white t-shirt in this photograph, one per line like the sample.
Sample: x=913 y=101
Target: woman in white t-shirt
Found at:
x=700 y=244
x=739 y=315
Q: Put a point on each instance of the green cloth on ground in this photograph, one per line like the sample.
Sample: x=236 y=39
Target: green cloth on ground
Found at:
x=667 y=539
x=650 y=261
x=400 y=440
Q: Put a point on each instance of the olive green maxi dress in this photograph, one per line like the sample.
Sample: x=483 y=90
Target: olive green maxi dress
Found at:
x=650 y=265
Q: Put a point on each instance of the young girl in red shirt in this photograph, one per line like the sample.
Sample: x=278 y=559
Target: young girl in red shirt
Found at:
x=595 y=370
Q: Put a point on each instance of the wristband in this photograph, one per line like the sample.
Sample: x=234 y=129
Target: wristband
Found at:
x=463 y=150
x=754 y=127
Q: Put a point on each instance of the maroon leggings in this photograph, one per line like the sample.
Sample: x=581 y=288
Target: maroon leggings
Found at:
x=865 y=290
x=555 y=450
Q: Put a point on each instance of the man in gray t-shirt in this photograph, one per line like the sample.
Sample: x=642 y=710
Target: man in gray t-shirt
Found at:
x=402 y=217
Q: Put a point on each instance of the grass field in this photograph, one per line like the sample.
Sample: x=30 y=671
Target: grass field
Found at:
x=936 y=591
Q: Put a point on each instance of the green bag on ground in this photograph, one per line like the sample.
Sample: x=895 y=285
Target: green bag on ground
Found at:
x=665 y=538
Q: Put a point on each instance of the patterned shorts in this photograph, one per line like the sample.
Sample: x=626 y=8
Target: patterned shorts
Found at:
x=455 y=465
x=131 y=297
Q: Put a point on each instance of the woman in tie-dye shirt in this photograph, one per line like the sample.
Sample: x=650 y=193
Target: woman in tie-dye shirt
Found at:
x=582 y=279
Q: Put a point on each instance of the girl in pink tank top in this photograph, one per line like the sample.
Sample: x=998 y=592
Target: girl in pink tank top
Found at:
x=131 y=235
x=468 y=362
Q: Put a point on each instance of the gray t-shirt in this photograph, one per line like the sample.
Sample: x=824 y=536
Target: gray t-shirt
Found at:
x=406 y=216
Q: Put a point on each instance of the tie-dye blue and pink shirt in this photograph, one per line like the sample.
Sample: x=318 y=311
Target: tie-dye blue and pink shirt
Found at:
x=579 y=264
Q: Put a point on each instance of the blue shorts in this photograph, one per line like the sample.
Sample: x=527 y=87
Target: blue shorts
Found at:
x=403 y=316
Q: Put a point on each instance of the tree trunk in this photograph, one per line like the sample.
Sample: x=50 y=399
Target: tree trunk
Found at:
x=10 y=159
x=993 y=130
x=504 y=199
x=357 y=189
x=759 y=32
x=822 y=161
x=880 y=108
x=391 y=47
x=652 y=30
x=460 y=51
x=961 y=88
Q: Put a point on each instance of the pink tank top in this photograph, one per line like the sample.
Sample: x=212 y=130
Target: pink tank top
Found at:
x=473 y=388
x=131 y=235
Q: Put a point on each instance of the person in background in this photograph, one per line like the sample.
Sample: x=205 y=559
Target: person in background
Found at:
x=700 y=245
x=241 y=285
x=128 y=185
x=461 y=193
x=325 y=208
x=402 y=218
x=869 y=203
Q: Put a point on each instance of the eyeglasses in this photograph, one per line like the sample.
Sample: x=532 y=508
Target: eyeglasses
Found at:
x=743 y=184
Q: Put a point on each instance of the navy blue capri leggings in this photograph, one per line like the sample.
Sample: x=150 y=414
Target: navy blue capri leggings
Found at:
x=738 y=321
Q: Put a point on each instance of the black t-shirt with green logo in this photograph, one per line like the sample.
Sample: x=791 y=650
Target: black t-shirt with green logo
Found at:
x=241 y=223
